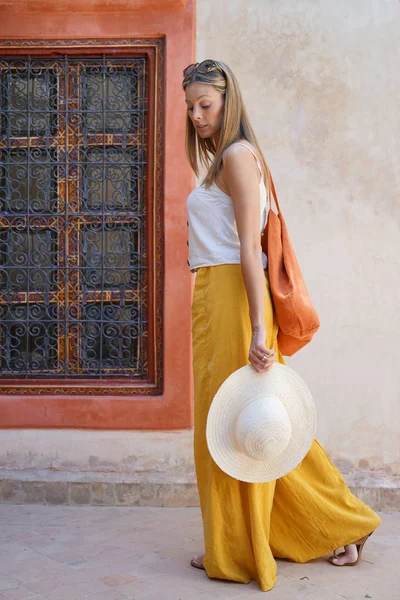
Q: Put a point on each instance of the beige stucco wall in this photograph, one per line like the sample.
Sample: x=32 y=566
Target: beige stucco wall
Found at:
x=322 y=85
x=321 y=81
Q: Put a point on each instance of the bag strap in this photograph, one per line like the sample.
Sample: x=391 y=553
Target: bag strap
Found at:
x=271 y=188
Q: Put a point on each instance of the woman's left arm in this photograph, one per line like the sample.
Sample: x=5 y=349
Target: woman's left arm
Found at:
x=241 y=178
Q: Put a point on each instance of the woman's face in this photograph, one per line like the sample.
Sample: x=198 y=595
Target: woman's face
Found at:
x=205 y=107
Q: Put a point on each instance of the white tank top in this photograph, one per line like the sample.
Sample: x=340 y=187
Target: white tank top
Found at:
x=213 y=235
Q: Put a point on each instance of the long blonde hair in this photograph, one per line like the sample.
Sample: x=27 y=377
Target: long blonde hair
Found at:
x=235 y=126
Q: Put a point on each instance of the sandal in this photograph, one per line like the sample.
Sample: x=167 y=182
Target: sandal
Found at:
x=197 y=562
x=359 y=544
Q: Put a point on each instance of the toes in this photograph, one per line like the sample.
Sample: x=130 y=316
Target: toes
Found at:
x=197 y=561
x=340 y=559
x=343 y=558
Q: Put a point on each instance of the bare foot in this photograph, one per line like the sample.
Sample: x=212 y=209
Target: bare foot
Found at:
x=197 y=561
x=349 y=555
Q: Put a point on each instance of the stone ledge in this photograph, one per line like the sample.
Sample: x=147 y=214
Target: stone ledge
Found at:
x=146 y=494
x=98 y=493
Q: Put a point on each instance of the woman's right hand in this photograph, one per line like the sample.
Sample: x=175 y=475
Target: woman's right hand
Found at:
x=260 y=357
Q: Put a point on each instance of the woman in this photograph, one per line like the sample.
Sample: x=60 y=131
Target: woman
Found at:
x=310 y=511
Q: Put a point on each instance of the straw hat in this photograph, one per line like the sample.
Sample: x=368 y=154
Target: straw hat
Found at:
x=260 y=426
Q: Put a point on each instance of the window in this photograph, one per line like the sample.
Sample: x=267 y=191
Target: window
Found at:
x=77 y=239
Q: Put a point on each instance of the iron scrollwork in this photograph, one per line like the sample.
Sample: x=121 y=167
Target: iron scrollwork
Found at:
x=73 y=211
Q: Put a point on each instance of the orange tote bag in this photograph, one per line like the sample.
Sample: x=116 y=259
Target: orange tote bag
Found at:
x=297 y=318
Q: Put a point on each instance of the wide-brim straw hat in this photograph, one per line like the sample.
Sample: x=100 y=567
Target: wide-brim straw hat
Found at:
x=260 y=426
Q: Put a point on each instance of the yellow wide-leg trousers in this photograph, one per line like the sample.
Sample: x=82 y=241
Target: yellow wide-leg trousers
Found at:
x=301 y=516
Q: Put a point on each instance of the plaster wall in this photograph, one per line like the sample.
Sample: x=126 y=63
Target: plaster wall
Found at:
x=112 y=456
x=322 y=85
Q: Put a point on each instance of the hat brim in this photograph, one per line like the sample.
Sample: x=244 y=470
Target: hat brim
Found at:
x=238 y=390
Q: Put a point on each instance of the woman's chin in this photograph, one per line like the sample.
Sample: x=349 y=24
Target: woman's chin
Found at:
x=204 y=133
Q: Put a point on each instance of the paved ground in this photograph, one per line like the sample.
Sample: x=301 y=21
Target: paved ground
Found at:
x=120 y=553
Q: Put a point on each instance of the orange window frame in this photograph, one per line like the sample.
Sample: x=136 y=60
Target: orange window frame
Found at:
x=53 y=397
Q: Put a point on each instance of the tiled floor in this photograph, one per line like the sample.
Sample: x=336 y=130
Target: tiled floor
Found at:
x=118 y=553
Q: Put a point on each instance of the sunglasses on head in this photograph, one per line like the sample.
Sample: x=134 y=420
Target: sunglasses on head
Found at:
x=203 y=67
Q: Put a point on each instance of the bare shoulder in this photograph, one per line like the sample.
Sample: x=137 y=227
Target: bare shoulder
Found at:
x=238 y=149
x=239 y=160
x=237 y=156
x=239 y=169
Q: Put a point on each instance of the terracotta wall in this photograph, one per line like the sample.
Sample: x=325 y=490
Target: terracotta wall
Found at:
x=127 y=19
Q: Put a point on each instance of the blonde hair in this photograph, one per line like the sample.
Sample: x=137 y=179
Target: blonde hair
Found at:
x=235 y=126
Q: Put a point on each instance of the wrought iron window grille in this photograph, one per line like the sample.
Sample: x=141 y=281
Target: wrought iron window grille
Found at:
x=74 y=282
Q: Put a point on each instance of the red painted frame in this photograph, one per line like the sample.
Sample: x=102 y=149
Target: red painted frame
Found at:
x=172 y=409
